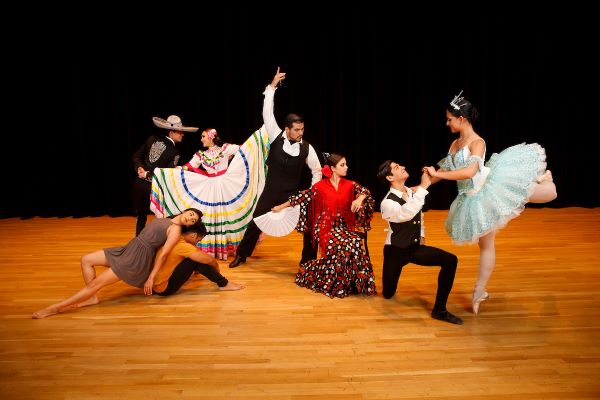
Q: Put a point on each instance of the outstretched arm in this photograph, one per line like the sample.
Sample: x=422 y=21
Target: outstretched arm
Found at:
x=477 y=149
x=302 y=198
x=393 y=211
x=456 y=175
x=312 y=160
x=426 y=181
x=269 y=104
x=203 y=258
x=434 y=180
x=194 y=162
x=281 y=207
x=230 y=149
x=279 y=76
x=173 y=233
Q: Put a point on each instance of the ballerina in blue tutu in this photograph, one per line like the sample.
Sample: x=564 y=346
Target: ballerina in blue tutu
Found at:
x=490 y=194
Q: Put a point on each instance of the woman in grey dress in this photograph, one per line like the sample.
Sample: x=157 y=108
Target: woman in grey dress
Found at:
x=133 y=263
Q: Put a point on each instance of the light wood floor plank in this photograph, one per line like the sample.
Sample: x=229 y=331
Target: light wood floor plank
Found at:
x=536 y=338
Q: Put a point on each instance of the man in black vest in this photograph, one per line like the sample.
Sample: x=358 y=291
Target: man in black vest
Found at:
x=287 y=156
x=156 y=152
x=401 y=208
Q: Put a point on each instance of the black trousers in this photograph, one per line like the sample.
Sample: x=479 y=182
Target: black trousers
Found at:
x=248 y=244
x=268 y=199
x=140 y=193
x=265 y=203
x=185 y=269
x=395 y=258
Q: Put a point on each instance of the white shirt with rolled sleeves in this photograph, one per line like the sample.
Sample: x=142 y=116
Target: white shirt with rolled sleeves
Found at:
x=392 y=211
x=273 y=130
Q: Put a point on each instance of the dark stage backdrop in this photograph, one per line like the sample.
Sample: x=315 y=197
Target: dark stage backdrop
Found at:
x=370 y=86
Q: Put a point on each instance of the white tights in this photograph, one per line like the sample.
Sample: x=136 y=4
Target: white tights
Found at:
x=487 y=260
x=542 y=193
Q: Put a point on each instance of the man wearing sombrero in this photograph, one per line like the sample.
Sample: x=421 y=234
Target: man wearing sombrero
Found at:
x=156 y=152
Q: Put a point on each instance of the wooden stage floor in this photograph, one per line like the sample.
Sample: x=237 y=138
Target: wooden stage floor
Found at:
x=536 y=338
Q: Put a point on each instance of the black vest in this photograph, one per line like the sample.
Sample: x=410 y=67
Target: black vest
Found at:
x=407 y=233
x=285 y=171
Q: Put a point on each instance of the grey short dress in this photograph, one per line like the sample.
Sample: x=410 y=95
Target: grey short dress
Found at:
x=133 y=262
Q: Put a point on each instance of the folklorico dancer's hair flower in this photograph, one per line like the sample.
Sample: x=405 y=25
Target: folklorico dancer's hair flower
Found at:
x=326 y=171
x=211 y=133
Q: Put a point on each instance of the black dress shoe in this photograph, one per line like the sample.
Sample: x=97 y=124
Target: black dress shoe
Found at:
x=446 y=316
x=237 y=261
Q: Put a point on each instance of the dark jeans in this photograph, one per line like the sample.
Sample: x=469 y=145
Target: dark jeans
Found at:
x=185 y=269
x=395 y=258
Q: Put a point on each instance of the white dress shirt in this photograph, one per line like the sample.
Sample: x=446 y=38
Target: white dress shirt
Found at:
x=293 y=149
x=392 y=211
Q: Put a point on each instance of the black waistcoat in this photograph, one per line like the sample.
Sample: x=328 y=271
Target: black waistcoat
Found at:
x=285 y=170
x=407 y=233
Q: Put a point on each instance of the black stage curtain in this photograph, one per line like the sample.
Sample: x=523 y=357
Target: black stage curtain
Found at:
x=371 y=85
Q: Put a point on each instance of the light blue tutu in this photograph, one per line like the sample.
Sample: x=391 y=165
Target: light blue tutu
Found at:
x=496 y=194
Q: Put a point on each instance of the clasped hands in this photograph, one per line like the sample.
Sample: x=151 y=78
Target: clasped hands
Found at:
x=430 y=171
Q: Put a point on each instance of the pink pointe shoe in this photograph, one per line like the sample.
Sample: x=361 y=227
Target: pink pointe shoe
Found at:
x=477 y=302
x=547 y=176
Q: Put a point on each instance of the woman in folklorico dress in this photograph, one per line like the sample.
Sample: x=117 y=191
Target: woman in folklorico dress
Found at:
x=333 y=210
x=216 y=156
x=489 y=195
x=224 y=182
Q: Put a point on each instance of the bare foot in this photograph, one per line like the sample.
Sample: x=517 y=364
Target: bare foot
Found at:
x=89 y=302
x=46 y=312
x=232 y=286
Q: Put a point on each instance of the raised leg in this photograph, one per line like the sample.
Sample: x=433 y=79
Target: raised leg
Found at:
x=544 y=190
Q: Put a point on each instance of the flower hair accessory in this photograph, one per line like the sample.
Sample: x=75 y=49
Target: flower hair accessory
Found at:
x=326 y=171
x=455 y=103
x=211 y=133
